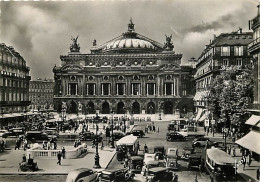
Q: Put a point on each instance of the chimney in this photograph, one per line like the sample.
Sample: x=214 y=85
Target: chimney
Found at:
x=240 y=30
x=215 y=36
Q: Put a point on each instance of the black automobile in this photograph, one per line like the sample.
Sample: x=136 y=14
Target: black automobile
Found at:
x=159 y=151
x=14 y=132
x=195 y=161
x=159 y=174
x=116 y=175
x=138 y=133
x=136 y=163
x=118 y=135
x=86 y=136
x=171 y=136
x=36 y=136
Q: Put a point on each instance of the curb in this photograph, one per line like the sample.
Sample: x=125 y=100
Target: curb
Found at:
x=110 y=160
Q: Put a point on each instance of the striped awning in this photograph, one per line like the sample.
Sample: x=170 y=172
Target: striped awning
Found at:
x=250 y=141
x=253 y=120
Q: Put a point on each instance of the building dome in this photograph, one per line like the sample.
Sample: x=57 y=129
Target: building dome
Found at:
x=129 y=41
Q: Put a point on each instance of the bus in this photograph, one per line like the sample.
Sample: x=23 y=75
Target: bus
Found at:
x=129 y=142
x=220 y=165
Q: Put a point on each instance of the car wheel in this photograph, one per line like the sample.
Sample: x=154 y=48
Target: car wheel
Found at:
x=138 y=167
x=80 y=180
x=127 y=175
x=168 y=139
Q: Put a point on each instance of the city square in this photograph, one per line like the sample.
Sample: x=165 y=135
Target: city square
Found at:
x=127 y=100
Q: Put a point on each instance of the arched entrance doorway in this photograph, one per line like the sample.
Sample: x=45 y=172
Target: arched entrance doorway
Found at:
x=91 y=109
x=120 y=108
x=73 y=107
x=168 y=107
x=150 y=108
x=136 y=108
x=105 y=108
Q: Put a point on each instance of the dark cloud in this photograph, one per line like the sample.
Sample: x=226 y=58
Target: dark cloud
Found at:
x=41 y=31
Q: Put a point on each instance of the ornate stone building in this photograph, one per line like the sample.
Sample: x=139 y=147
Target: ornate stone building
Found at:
x=14 y=86
x=41 y=94
x=128 y=74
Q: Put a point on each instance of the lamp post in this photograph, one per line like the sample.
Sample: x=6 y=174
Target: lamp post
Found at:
x=97 y=165
x=112 y=128
x=151 y=110
x=124 y=119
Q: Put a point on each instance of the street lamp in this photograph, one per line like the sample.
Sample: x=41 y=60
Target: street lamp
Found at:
x=151 y=110
x=112 y=134
x=97 y=165
x=124 y=119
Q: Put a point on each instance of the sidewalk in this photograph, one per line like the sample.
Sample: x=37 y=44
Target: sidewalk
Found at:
x=9 y=163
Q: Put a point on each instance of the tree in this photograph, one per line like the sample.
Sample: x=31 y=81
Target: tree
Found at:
x=229 y=96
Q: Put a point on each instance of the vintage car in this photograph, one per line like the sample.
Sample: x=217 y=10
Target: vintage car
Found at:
x=195 y=161
x=187 y=151
x=2 y=132
x=149 y=157
x=52 y=134
x=199 y=142
x=86 y=136
x=159 y=151
x=116 y=175
x=82 y=175
x=118 y=135
x=136 y=163
x=159 y=174
x=171 y=136
x=14 y=132
x=138 y=132
x=172 y=158
x=36 y=136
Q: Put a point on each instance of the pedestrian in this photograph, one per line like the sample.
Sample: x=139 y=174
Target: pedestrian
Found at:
x=48 y=145
x=54 y=145
x=63 y=152
x=243 y=162
x=145 y=148
x=258 y=174
x=154 y=128
x=229 y=150
x=24 y=158
x=249 y=160
x=59 y=158
x=102 y=144
x=75 y=143
x=24 y=144
x=234 y=151
x=126 y=162
x=158 y=129
x=138 y=146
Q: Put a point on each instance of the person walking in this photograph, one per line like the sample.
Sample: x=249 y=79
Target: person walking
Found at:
x=24 y=158
x=63 y=151
x=59 y=158
x=249 y=160
x=145 y=148
x=258 y=174
x=243 y=162
x=234 y=151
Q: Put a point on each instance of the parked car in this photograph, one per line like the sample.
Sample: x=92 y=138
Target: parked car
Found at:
x=159 y=174
x=14 y=132
x=159 y=151
x=116 y=175
x=35 y=136
x=139 y=133
x=82 y=175
x=149 y=157
x=118 y=135
x=195 y=161
x=187 y=151
x=52 y=134
x=171 y=136
x=86 y=136
x=3 y=132
x=201 y=141
x=136 y=163
x=172 y=158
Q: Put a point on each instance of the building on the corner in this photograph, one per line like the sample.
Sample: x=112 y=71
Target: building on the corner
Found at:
x=14 y=86
x=128 y=74
x=41 y=94
x=254 y=50
x=226 y=51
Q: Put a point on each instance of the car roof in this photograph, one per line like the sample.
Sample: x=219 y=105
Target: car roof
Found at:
x=136 y=158
x=158 y=169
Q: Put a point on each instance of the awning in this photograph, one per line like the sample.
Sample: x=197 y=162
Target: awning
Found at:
x=250 y=141
x=203 y=117
x=201 y=95
x=253 y=120
x=8 y=115
x=197 y=96
x=199 y=114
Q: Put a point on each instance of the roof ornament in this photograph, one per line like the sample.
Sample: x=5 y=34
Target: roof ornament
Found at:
x=94 y=43
x=74 y=47
x=131 y=26
x=168 y=45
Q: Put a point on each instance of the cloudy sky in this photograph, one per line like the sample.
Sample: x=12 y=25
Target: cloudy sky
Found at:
x=41 y=31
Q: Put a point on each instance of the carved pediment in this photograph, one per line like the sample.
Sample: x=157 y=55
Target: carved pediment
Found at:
x=169 y=67
x=71 y=68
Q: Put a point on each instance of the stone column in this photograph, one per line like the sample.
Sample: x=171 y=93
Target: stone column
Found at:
x=87 y=88
x=117 y=89
x=172 y=88
x=94 y=89
x=102 y=89
x=147 y=89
